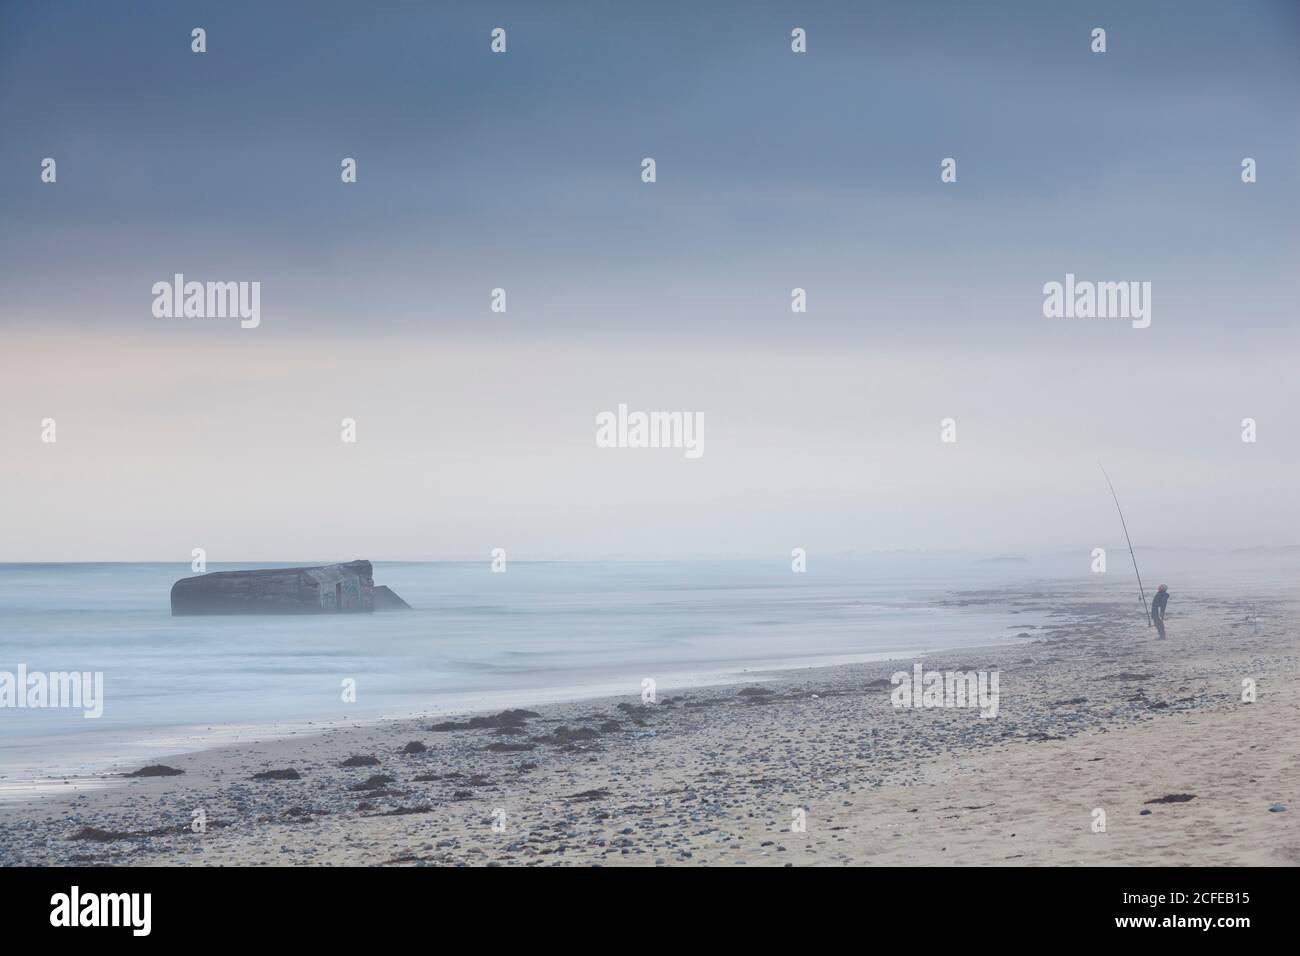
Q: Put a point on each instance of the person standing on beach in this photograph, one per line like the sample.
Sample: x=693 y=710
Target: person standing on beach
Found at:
x=1158 y=609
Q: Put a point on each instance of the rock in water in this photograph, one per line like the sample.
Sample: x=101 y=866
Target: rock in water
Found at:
x=328 y=589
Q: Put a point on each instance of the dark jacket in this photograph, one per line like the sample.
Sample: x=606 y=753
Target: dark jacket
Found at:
x=1158 y=605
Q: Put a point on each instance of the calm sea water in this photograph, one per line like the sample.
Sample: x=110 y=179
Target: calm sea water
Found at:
x=541 y=631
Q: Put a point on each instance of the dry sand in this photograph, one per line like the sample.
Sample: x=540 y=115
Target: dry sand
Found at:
x=1094 y=714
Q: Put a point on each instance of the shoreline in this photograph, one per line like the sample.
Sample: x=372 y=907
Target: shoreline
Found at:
x=183 y=740
x=1094 y=716
x=167 y=743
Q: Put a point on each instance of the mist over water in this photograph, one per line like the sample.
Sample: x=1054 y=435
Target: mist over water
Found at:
x=539 y=631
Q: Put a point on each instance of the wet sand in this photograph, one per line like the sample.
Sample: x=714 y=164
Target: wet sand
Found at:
x=1094 y=715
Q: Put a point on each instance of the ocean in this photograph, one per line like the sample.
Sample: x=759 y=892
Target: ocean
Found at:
x=539 y=632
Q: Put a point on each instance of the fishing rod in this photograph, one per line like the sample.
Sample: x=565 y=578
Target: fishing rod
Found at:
x=1124 y=525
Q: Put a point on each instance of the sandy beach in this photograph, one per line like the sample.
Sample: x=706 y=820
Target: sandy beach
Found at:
x=1094 y=717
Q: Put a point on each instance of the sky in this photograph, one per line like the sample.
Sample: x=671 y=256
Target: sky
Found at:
x=522 y=170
